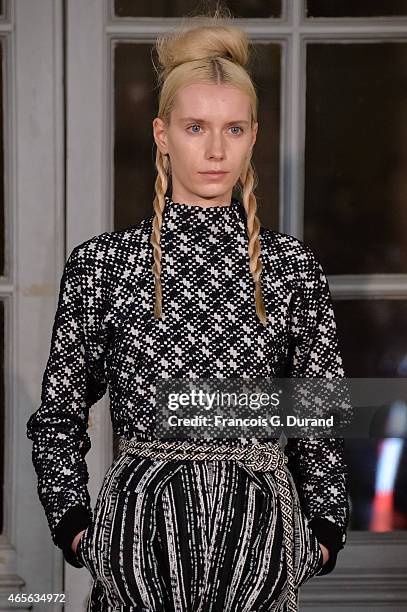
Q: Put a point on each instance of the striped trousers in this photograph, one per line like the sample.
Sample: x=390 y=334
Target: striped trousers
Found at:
x=191 y=536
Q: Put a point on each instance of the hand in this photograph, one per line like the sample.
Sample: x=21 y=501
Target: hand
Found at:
x=325 y=553
x=76 y=539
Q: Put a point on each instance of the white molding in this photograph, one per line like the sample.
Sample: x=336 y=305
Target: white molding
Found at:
x=36 y=230
x=87 y=154
x=148 y=28
x=292 y=219
x=110 y=123
x=355 y=589
x=89 y=201
x=285 y=186
x=381 y=585
x=368 y=286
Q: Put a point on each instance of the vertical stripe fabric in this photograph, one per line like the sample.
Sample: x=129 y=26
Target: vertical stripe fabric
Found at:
x=191 y=536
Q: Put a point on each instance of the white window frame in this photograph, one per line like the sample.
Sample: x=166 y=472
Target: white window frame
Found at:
x=35 y=255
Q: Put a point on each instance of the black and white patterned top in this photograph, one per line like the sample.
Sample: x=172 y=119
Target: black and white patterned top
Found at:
x=105 y=336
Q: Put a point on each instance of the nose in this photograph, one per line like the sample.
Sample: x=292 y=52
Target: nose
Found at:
x=215 y=147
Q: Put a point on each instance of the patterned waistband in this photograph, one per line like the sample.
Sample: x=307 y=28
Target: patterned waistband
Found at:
x=263 y=456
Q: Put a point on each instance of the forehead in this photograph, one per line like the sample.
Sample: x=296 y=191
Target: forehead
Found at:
x=212 y=102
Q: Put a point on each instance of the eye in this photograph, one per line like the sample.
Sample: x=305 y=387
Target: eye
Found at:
x=237 y=127
x=234 y=127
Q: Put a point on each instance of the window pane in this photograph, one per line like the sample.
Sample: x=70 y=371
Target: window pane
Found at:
x=135 y=108
x=266 y=74
x=373 y=337
x=2 y=203
x=350 y=8
x=181 y=8
x=373 y=340
x=356 y=156
x=134 y=151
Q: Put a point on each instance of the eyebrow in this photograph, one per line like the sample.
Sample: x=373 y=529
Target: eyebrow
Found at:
x=197 y=120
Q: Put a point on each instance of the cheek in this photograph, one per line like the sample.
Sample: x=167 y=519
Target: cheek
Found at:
x=239 y=152
x=183 y=161
x=238 y=160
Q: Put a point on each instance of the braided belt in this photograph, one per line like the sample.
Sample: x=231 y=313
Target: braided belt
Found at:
x=259 y=457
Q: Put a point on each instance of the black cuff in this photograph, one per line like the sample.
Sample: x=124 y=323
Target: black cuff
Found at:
x=330 y=535
x=73 y=521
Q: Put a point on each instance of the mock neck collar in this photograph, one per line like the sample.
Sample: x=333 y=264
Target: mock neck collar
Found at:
x=191 y=226
x=170 y=203
x=204 y=215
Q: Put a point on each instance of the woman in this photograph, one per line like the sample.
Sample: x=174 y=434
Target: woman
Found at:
x=198 y=289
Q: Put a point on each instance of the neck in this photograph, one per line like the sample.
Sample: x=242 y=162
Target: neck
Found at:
x=201 y=203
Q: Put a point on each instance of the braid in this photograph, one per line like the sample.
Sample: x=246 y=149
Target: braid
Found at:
x=253 y=230
x=161 y=182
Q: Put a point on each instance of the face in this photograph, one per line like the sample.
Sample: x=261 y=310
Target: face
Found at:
x=209 y=131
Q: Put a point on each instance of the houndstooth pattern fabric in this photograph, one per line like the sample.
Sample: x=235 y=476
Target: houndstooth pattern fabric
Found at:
x=105 y=337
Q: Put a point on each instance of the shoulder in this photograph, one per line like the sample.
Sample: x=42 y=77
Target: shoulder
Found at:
x=112 y=245
x=104 y=261
x=291 y=252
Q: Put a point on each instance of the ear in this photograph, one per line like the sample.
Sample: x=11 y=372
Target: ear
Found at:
x=160 y=135
x=255 y=128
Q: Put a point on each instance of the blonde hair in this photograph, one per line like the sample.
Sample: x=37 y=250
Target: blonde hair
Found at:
x=207 y=51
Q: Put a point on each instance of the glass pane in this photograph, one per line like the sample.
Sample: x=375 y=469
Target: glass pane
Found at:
x=356 y=156
x=136 y=107
x=266 y=74
x=2 y=203
x=373 y=337
x=369 y=332
x=181 y=8
x=2 y=412
x=350 y=8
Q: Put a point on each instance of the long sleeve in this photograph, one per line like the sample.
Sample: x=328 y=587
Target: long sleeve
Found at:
x=72 y=382
x=317 y=465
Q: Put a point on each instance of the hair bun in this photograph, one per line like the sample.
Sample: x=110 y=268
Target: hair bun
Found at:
x=200 y=43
